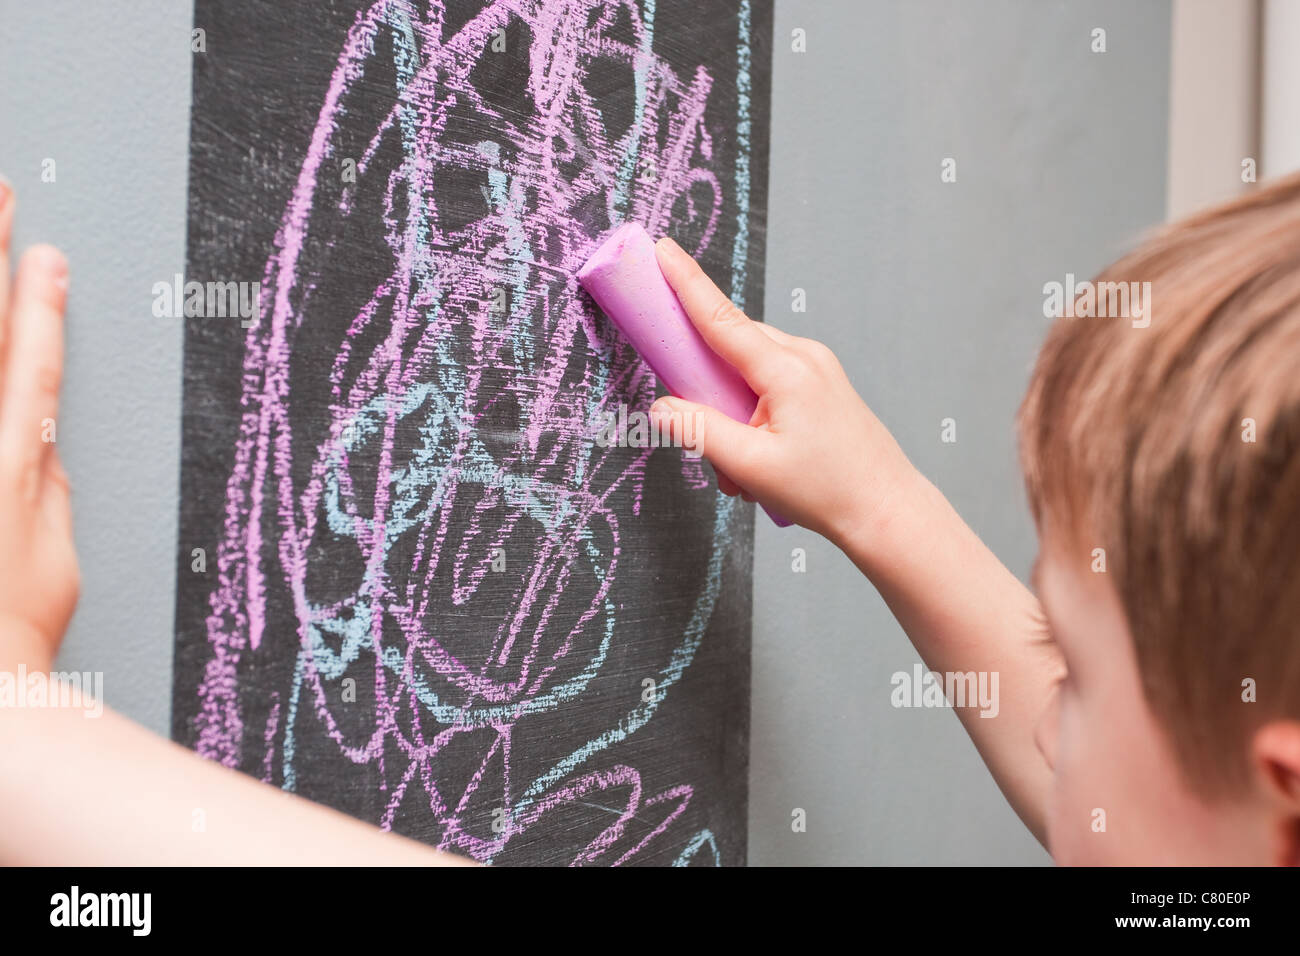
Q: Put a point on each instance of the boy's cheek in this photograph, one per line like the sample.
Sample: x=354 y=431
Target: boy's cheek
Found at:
x=1081 y=814
x=1071 y=836
x=1069 y=827
x=1111 y=804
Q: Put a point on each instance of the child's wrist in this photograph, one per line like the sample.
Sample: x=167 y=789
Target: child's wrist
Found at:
x=878 y=524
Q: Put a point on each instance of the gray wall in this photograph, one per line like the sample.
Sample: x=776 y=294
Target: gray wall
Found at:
x=930 y=293
x=103 y=89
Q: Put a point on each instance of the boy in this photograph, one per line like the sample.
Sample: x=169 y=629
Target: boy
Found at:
x=1156 y=687
x=1159 y=696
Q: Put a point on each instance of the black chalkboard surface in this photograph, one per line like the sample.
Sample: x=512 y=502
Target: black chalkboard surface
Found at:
x=414 y=582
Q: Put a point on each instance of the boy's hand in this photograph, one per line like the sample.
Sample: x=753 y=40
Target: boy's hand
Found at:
x=813 y=450
x=38 y=564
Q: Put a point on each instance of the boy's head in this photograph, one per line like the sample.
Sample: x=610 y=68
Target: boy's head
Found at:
x=1163 y=468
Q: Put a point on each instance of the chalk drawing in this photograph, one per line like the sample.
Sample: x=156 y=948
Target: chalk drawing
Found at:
x=413 y=388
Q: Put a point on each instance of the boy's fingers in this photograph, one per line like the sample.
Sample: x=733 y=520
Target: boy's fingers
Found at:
x=34 y=363
x=731 y=447
x=776 y=335
x=725 y=484
x=6 y=214
x=59 y=503
x=729 y=332
x=6 y=230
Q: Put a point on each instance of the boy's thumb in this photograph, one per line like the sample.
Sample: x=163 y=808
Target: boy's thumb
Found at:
x=729 y=445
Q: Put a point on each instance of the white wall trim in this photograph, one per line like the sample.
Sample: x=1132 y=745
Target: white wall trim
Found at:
x=1214 y=99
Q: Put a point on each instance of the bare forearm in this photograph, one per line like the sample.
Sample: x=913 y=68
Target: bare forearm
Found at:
x=83 y=790
x=964 y=611
x=103 y=790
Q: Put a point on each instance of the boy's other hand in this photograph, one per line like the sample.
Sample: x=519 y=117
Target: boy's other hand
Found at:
x=38 y=564
x=813 y=451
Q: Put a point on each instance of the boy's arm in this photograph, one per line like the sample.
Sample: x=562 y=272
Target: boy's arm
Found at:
x=964 y=611
x=815 y=453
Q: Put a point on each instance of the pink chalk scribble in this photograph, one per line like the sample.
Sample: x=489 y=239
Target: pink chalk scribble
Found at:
x=450 y=474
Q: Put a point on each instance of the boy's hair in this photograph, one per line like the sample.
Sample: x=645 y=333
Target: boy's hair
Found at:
x=1176 y=448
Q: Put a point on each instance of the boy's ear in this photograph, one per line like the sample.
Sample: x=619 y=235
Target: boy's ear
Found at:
x=1276 y=751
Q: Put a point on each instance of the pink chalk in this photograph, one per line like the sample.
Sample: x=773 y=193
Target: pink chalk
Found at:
x=623 y=277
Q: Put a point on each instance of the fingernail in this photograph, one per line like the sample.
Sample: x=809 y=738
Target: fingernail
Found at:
x=57 y=266
x=670 y=246
x=54 y=265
